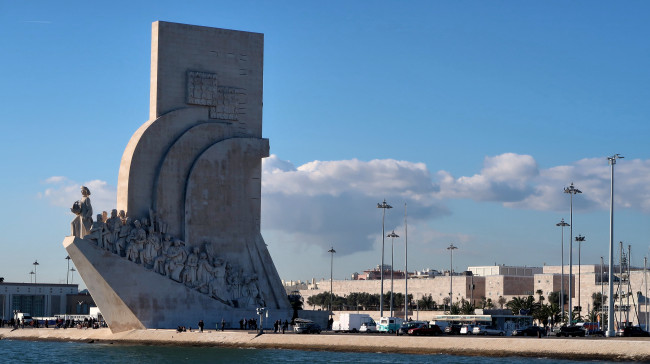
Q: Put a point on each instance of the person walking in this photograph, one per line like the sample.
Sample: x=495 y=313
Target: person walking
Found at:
x=201 y=324
x=223 y=324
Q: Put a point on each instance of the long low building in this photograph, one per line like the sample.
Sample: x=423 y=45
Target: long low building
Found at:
x=37 y=299
x=496 y=285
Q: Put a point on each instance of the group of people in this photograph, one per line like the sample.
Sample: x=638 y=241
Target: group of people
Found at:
x=248 y=324
x=146 y=242
x=59 y=323
x=279 y=325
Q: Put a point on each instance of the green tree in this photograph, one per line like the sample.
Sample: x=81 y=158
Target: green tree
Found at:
x=297 y=302
x=426 y=303
x=517 y=304
x=454 y=309
x=597 y=300
x=502 y=301
x=466 y=307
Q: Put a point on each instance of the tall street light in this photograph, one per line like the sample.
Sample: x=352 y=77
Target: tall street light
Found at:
x=331 y=251
x=72 y=270
x=406 y=268
x=451 y=249
x=35 y=264
x=562 y=224
x=382 y=206
x=67 y=274
x=610 y=308
x=580 y=239
x=392 y=237
x=31 y=276
x=571 y=190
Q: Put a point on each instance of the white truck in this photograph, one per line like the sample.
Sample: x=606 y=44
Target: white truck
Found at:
x=25 y=317
x=351 y=322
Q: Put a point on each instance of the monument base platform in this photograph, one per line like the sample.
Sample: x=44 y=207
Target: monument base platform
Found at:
x=131 y=297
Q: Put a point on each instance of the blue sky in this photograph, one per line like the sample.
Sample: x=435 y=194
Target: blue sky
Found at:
x=476 y=114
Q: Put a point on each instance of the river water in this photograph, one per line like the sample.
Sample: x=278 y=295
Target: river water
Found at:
x=44 y=352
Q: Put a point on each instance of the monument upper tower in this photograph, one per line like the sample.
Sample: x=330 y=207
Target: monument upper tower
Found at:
x=225 y=73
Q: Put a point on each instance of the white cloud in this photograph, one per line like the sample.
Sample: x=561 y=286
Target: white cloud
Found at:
x=63 y=192
x=321 y=203
x=506 y=177
x=325 y=203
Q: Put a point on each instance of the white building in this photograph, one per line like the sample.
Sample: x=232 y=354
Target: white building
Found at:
x=37 y=299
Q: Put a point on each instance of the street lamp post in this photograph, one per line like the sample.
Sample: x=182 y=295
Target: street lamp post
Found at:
x=571 y=190
x=602 y=297
x=31 y=276
x=35 y=264
x=331 y=251
x=382 y=206
x=610 y=308
x=406 y=268
x=562 y=224
x=392 y=237
x=580 y=239
x=67 y=274
x=72 y=270
x=451 y=249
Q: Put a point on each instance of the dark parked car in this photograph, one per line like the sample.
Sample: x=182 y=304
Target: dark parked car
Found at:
x=306 y=327
x=430 y=330
x=530 y=331
x=573 y=330
x=406 y=326
x=632 y=331
x=453 y=329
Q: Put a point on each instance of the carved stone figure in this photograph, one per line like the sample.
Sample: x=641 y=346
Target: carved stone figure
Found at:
x=217 y=286
x=176 y=262
x=98 y=232
x=113 y=225
x=82 y=223
x=250 y=293
x=203 y=273
x=136 y=241
x=151 y=251
x=122 y=216
x=191 y=265
x=123 y=234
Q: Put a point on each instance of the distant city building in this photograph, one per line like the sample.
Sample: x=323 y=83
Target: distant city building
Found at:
x=37 y=299
x=375 y=273
x=79 y=303
x=425 y=273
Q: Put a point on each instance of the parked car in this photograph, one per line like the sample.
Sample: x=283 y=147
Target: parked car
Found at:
x=466 y=329
x=572 y=330
x=367 y=327
x=632 y=331
x=407 y=325
x=530 y=331
x=306 y=327
x=488 y=330
x=453 y=329
x=426 y=329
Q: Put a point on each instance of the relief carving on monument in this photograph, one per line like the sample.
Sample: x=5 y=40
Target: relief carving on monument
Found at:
x=145 y=243
x=201 y=88
x=226 y=102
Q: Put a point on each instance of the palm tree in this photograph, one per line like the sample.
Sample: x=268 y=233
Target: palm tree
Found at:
x=426 y=303
x=466 y=307
x=518 y=304
x=502 y=301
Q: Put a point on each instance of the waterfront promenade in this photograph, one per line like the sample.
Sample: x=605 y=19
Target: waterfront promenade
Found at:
x=617 y=349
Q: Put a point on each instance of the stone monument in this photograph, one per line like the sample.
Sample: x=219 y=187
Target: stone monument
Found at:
x=184 y=242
